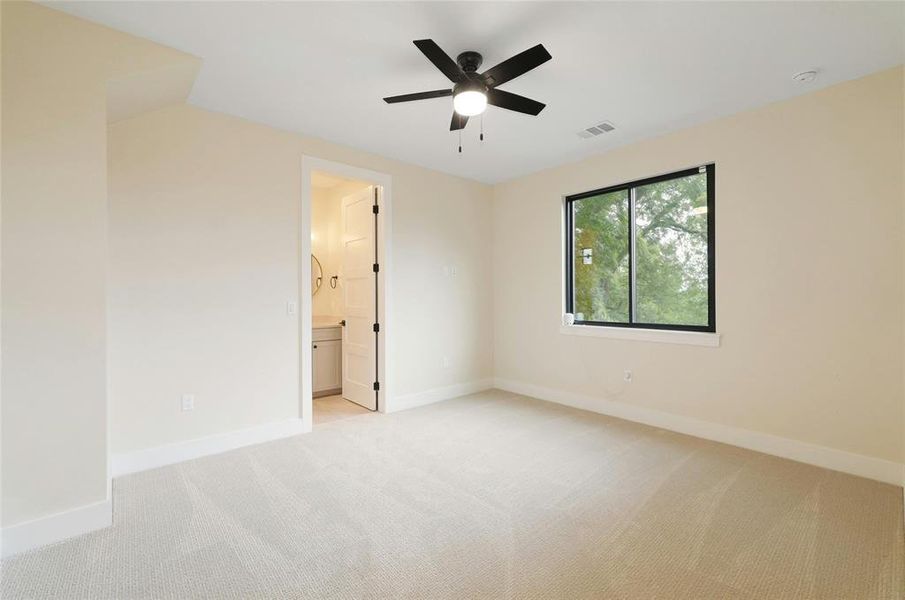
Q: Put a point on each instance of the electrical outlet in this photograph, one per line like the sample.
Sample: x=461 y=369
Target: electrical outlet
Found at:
x=291 y=308
x=627 y=376
x=444 y=362
x=188 y=402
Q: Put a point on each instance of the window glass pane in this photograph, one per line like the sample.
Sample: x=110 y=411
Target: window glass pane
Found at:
x=600 y=260
x=671 y=251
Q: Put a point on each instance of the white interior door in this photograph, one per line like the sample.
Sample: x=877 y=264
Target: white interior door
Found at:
x=359 y=344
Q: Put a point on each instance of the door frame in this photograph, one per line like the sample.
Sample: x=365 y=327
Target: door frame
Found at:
x=384 y=255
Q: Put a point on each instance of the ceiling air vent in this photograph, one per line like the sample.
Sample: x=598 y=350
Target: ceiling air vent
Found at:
x=595 y=130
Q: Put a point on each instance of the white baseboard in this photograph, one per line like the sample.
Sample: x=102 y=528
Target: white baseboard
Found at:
x=837 y=460
x=438 y=394
x=56 y=527
x=160 y=456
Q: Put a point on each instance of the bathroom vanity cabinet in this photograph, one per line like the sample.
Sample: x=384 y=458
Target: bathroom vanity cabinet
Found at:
x=327 y=360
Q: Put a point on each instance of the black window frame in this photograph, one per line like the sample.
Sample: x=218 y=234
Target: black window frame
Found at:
x=710 y=170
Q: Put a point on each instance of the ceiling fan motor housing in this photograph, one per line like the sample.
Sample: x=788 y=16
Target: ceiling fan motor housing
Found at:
x=470 y=61
x=470 y=85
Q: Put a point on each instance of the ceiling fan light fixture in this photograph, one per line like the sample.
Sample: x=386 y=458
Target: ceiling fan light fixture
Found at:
x=469 y=103
x=473 y=91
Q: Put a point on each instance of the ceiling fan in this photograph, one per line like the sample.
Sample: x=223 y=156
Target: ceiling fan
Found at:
x=473 y=91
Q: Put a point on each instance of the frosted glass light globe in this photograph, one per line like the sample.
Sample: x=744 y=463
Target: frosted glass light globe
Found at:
x=469 y=103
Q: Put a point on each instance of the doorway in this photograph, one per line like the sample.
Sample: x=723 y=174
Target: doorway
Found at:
x=345 y=263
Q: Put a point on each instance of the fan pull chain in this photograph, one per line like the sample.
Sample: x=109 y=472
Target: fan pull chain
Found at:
x=460 y=141
x=482 y=127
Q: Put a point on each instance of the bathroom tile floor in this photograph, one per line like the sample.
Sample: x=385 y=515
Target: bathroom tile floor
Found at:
x=334 y=408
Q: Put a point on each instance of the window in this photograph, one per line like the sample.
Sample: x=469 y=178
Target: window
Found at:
x=641 y=254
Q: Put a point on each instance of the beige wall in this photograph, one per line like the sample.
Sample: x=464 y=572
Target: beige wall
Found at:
x=204 y=239
x=809 y=230
x=54 y=254
x=202 y=229
x=180 y=283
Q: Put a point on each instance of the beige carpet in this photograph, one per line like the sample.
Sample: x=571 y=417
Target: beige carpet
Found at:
x=488 y=496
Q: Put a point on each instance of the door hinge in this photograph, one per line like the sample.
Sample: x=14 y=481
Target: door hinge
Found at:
x=376 y=386
x=376 y=267
x=376 y=209
x=376 y=327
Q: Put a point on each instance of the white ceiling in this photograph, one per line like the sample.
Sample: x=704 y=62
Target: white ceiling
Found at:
x=322 y=68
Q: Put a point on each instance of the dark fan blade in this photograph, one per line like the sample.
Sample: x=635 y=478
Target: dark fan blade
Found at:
x=441 y=59
x=514 y=102
x=517 y=65
x=458 y=122
x=418 y=96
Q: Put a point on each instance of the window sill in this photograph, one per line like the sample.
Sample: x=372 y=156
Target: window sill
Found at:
x=664 y=336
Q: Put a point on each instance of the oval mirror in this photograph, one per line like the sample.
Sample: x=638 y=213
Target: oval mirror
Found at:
x=317 y=275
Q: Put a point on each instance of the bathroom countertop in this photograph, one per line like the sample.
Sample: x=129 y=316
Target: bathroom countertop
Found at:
x=321 y=322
